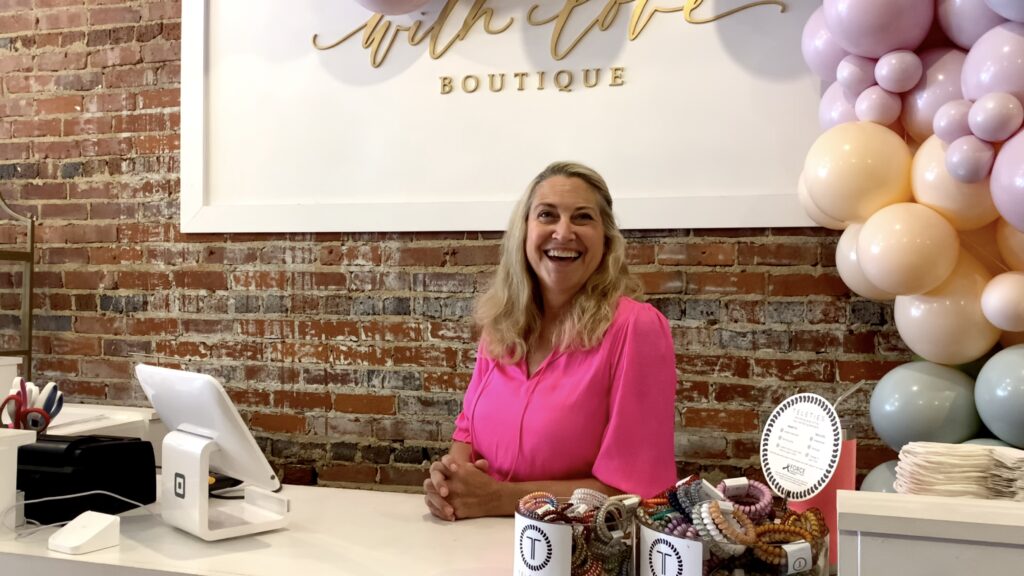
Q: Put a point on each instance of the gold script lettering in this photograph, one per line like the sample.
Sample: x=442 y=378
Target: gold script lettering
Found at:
x=379 y=36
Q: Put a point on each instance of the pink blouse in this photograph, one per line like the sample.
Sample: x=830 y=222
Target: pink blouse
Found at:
x=607 y=412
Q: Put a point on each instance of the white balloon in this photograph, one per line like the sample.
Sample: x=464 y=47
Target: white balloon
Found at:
x=1009 y=9
x=1002 y=302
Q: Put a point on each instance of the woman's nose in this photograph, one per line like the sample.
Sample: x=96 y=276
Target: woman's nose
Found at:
x=564 y=230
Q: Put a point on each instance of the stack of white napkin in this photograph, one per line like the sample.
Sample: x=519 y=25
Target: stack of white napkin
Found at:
x=969 y=470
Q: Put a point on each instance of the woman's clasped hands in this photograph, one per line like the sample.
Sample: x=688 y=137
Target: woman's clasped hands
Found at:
x=459 y=489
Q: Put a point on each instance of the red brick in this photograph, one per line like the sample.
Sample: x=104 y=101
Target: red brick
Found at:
x=62 y=19
x=75 y=345
x=806 y=285
x=107 y=15
x=352 y=473
x=485 y=255
x=59 y=61
x=869 y=370
x=813 y=370
x=161 y=51
x=109 y=368
x=662 y=282
x=90 y=280
x=160 y=98
x=286 y=423
x=15 y=63
x=725 y=283
x=403 y=476
x=17 y=22
x=445 y=381
x=115 y=56
x=430 y=256
x=301 y=401
x=696 y=254
x=99 y=325
x=200 y=279
x=722 y=420
x=725 y=366
x=364 y=404
x=777 y=254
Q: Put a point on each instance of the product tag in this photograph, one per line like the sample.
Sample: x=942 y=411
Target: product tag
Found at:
x=798 y=556
x=542 y=548
x=710 y=492
x=736 y=487
x=726 y=507
x=800 y=446
x=663 y=555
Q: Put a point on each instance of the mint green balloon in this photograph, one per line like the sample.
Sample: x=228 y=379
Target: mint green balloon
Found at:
x=880 y=478
x=999 y=395
x=924 y=402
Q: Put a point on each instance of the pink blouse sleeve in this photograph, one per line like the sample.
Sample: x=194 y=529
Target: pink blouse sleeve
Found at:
x=462 y=427
x=637 y=452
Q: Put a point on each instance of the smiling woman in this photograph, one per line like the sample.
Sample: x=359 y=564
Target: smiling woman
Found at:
x=575 y=380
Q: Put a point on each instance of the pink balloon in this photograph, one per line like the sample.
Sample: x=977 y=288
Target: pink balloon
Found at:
x=996 y=116
x=873 y=27
x=855 y=74
x=951 y=120
x=821 y=52
x=1008 y=181
x=940 y=84
x=995 y=63
x=964 y=21
x=969 y=159
x=878 y=106
x=393 y=7
x=898 y=71
x=1009 y=9
x=835 y=108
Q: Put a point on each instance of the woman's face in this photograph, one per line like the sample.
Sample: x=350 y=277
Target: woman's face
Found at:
x=564 y=237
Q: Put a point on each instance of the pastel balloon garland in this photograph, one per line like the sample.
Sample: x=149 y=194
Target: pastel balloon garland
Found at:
x=922 y=162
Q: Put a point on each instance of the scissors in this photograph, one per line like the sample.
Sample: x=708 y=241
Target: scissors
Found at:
x=30 y=409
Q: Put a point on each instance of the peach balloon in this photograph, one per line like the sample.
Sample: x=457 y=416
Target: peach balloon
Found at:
x=855 y=168
x=965 y=205
x=850 y=270
x=1010 y=242
x=812 y=211
x=1002 y=302
x=946 y=325
x=981 y=243
x=907 y=248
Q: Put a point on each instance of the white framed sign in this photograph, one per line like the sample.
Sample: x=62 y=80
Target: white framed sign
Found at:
x=318 y=115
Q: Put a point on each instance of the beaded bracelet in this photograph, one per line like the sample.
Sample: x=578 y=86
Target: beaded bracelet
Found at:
x=727 y=524
x=756 y=503
x=718 y=545
x=811 y=520
x=770 y=534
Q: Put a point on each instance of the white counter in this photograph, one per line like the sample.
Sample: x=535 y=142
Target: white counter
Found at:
x=331 y=531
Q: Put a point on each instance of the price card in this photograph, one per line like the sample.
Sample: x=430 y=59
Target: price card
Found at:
x=542 y=548
x=800 y=446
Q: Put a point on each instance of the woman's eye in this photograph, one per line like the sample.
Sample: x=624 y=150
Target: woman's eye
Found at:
x=545 y=214
x=585 y=216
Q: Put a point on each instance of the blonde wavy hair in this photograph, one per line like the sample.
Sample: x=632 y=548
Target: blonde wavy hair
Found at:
x=509 y=313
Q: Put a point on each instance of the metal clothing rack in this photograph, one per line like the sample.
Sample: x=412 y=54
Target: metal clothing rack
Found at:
x=24 y=348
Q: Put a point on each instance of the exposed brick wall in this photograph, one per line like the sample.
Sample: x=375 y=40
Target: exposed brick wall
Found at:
x=348 y=353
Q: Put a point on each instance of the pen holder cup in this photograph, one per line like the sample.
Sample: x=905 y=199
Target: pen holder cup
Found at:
x=562 y=537
x=10 y=440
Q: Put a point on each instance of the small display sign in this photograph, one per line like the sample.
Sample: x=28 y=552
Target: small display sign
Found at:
x=664 y=555
x=800 y=446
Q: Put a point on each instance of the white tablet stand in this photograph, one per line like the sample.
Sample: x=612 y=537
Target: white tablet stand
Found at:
x=184 y=492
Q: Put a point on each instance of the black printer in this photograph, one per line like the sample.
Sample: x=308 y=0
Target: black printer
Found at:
x=62 y=465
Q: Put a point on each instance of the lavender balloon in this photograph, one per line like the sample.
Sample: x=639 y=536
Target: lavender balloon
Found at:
x=1007 y=182
x=855 y=74
x=878 y=106
x=821 y=51
x=951 y=120
x=874 y=27
x=940 y=84
x=835 y=107
x=969 y=159
x=1009 y=9
x=898 y=71
x=964 y=21
x=995 y=63
x=393 y=7
x=996 y=116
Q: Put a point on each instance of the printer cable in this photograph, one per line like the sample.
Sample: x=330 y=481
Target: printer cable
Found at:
x=23 y=533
